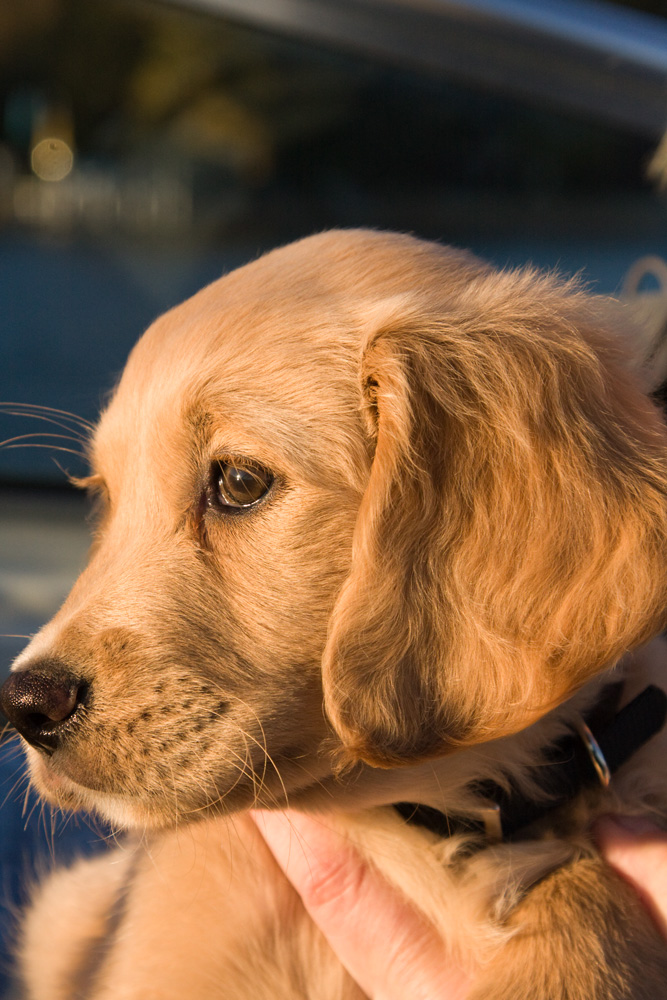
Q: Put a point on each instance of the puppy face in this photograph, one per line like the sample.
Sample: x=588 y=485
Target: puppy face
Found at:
x=362 y=499
x=199 y=625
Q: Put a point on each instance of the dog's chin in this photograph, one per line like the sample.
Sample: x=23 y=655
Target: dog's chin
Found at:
x=131 y=812
x=121 y=811
x=70 y=796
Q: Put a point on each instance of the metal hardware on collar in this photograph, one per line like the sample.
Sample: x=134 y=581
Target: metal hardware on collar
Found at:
x=490 y=816
x=595 y=753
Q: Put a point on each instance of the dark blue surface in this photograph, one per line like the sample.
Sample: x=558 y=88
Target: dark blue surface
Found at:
x=32 y=841
x=69 y=315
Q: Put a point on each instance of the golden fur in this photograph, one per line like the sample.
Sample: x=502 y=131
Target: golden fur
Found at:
x=466 y=533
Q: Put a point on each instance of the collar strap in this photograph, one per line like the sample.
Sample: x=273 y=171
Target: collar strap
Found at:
x=584 y=758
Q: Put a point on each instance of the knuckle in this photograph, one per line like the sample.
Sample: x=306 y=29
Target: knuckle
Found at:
x=336 y=881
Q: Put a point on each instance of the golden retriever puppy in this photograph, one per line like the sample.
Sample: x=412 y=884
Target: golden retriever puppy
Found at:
x=378 y=525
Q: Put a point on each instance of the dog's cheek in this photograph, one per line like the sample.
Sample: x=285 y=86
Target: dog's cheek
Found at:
x=279 y=574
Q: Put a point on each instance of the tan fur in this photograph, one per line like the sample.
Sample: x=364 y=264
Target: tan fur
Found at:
x=467 y=532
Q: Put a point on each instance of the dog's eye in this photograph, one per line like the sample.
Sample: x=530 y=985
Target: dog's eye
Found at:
x=237 y=486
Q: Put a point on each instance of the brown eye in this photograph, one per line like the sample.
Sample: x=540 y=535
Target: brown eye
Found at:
x=237 y=486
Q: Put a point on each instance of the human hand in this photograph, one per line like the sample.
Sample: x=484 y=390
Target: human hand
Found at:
x=385 y=945
x=638 y=851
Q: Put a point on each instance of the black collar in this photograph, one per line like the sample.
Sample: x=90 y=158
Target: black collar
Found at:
x=586 y=757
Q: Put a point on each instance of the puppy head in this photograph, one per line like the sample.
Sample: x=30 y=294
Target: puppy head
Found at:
x=454 y=514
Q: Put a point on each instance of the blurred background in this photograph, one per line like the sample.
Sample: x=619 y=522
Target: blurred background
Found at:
x=146 y=147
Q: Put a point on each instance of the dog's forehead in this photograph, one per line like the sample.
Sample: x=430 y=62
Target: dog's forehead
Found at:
x=269 y=353
x=301 y=307
x=272 y=351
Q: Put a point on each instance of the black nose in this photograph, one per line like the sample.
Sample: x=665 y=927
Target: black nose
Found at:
x=41 y=703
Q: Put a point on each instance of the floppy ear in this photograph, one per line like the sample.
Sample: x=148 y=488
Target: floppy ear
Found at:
x=512 y=539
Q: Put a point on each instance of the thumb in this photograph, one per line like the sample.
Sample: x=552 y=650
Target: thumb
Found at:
x=638 y=851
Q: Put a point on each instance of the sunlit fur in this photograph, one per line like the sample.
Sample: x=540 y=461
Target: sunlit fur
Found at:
x=467 y=531
x=501 y=534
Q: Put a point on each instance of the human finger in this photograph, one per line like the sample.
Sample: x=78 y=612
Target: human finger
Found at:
x=638 y=851
x=386 y=945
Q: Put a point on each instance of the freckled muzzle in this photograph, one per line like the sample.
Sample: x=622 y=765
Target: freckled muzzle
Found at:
x=43 y=702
